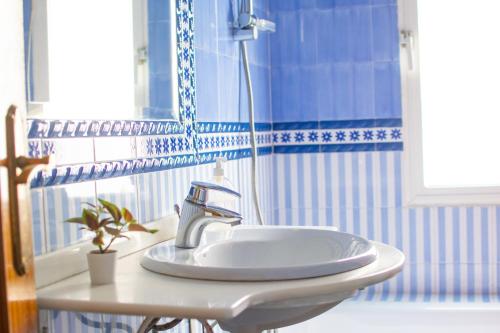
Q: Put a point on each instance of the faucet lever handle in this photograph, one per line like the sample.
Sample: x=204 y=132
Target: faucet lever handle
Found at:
x=198 y=193
x=223 y=212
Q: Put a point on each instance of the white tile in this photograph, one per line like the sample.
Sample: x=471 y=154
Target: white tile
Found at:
x=69 y=151
x=115 y=148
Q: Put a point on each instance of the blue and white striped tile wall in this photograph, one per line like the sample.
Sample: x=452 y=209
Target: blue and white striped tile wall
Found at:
x=63 y=321
x=60 y=321
x=453 y=253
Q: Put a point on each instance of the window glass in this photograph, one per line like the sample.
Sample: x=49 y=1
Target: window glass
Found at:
x=460 y=92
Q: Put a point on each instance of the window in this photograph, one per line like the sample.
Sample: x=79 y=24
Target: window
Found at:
x=450 y=65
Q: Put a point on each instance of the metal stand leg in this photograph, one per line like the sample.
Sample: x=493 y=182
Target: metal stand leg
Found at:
x=150 y=324
x=207 y=328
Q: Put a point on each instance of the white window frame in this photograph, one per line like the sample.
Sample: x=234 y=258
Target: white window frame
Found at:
x=414 y=191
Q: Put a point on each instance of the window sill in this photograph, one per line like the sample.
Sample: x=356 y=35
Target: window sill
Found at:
x=479 y=196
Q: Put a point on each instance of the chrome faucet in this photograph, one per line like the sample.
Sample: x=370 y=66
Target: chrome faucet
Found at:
x=197 y=213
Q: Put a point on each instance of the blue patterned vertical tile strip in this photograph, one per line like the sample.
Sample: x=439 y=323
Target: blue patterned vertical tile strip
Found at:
x=186 y=67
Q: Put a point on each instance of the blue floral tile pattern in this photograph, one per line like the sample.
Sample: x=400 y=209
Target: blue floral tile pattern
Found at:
x=186 y=74
x=338 y=136
x=34 y=148
x=48 y=148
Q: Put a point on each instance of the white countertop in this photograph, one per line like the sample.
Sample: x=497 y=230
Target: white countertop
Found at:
x=140 y=292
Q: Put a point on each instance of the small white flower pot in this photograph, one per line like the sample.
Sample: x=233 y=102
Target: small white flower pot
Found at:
x=102 y=267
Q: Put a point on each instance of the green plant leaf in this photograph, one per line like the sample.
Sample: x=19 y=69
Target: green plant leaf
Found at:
x=77 y=220
x=90 y=219
x=127 y=215
x=138 y=227
x=105 y=222
x=112 y=209
x=112 y=231
x=123 y=236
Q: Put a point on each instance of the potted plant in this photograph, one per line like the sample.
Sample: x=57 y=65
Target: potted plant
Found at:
x=103 y=219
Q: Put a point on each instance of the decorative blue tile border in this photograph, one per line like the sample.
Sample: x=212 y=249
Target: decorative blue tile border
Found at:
x=162 y=146
x=153 y=146
x=170 y=149
x=66 y=129
x=338 y=136
x=70 y=174
x=186 y=70
x=158 y=153
x=60 y=129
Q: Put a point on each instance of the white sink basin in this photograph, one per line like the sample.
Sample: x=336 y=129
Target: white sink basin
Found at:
x=256 y=253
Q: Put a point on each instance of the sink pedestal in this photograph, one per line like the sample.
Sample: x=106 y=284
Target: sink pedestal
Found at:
x=281 y=314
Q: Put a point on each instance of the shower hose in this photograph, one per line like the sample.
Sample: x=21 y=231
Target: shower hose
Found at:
x=253 y=144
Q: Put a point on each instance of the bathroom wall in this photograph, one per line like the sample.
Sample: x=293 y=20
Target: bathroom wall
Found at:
x=335 y=78
x=147 y=165
x=335 y=60
x=219 y=71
